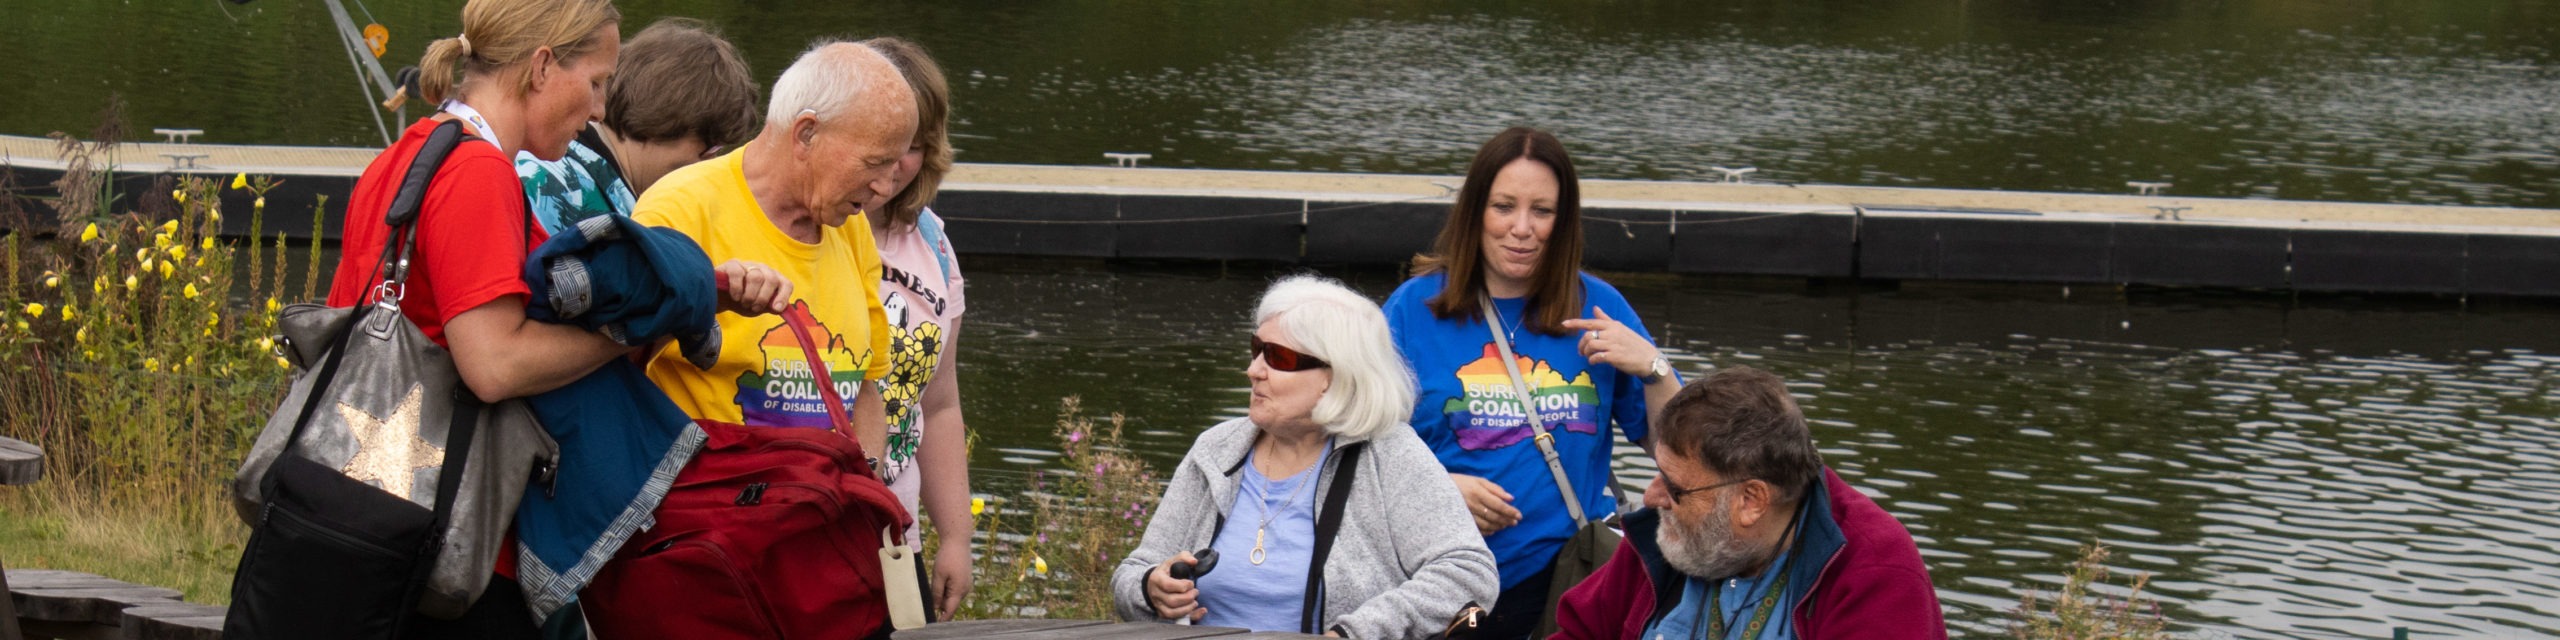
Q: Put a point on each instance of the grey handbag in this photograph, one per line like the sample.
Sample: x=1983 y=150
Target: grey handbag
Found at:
x=385 y=418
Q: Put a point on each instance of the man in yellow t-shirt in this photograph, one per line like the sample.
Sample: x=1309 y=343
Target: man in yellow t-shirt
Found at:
x=839 y=119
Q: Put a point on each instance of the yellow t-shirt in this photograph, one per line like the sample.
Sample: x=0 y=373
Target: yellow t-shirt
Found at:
x=762 y=378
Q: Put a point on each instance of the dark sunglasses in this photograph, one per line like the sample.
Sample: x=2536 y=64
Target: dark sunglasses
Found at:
x=1284 y=358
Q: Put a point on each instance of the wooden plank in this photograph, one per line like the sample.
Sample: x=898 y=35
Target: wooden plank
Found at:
x=103 y=605
x=20 y=463
x=173 y=621
x=8 y=609
x=1139 y=631
x=68 y=630
x=972 y=629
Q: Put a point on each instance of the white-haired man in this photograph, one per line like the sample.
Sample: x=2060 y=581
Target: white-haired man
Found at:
x=840 y=118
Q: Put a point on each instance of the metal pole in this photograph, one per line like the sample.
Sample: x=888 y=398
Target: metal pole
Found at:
x=364 y=64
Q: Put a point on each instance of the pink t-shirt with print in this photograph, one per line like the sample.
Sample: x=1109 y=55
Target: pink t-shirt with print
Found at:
x=920 y=288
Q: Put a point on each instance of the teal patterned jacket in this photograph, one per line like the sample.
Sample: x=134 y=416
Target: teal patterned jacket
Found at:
x=580 y=185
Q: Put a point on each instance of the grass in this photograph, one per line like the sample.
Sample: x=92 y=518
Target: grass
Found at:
x=139 y=356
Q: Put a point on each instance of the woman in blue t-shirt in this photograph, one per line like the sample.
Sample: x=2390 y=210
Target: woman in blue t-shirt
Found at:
x=1515 y=237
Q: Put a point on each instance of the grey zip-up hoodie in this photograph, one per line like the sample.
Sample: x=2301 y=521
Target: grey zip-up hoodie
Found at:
x=1407 y=559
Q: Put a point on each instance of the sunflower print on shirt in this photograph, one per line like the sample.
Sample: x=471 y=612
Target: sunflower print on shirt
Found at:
x=914 y=354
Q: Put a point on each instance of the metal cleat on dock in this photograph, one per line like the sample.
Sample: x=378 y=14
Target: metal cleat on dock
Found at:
x=1734 y=176
x=2147 y=188
x=178 y=136
x=2168 y=212
x=1129 y=160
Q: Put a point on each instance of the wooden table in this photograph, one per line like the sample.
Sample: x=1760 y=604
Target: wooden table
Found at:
x=1077 y=630
x=20 y=463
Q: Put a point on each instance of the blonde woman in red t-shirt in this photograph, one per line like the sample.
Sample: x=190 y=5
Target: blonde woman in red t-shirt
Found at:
x=523 y=76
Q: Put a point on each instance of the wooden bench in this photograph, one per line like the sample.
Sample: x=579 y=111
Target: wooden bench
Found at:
x=20 y=463
x=1077 y=630
x=70 y=605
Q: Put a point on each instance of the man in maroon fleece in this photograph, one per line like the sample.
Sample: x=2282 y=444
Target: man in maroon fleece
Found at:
x=1747 y=536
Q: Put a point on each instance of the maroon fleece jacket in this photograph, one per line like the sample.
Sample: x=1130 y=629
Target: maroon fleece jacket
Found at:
x=1871 y=582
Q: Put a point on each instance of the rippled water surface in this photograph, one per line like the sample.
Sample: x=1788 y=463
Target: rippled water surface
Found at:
x=2430 y=101
x=2319 y=469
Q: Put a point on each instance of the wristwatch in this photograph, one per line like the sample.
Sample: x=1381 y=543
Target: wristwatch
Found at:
x=1661 y=368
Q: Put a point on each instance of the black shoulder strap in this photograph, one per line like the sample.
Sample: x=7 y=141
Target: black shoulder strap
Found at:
x=403 y=211
x=1328 y=523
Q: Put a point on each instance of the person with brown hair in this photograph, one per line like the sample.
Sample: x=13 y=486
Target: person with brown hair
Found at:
x=928 y=457
x=682 y=94
x=522 y=77
x=1746 y=534
x=1506 y=275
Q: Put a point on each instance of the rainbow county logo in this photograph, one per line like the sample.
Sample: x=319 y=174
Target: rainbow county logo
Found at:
x=783 y=393
x=1487 y=414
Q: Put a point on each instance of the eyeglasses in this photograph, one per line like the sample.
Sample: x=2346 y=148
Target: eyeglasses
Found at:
x=1284 y=358
x=710 y=152
x=1677 y=492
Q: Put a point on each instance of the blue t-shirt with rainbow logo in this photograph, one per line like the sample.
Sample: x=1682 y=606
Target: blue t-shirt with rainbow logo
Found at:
x=1472 y=419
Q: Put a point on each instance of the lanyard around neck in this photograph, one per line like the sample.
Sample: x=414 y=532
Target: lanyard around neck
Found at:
x=479 y=125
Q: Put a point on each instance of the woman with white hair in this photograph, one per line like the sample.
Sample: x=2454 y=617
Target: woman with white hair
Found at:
x=1327 y=513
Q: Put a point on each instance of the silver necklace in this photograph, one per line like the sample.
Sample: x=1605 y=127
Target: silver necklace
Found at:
x=1269 y=514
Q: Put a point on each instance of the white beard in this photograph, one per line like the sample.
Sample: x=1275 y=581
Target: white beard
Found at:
x=1709 y=549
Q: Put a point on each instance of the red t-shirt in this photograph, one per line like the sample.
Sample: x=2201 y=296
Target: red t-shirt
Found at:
x=473 y=236
x=473 y=232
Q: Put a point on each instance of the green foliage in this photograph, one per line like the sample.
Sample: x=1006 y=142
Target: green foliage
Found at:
x=1057 y=561
x=2077 y=613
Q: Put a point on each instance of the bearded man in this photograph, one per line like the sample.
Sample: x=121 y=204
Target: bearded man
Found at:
x=1747 y=536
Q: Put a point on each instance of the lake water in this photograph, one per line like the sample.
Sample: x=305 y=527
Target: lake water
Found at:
x=2320 y=469
x=2431 y=101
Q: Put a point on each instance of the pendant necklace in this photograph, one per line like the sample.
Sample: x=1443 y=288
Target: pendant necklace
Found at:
x=1268 y=514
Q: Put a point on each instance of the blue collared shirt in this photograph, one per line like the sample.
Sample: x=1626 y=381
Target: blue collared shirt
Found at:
x=1734 y=604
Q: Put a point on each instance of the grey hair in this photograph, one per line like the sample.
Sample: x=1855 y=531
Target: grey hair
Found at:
x=824 y=80
x=1372 y=388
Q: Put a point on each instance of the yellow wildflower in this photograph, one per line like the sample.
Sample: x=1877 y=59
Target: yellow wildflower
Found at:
x=977 y=506
x=169 y=227
x=208 y=243
x=35 y=309
x=22 y=325
x=151 y=364
x=98 y=284
x=160 y=240
x=146 y=264
x=211 y=319
x=81 y=336
x=267 y=344
x=180 y=194
x=51 y=280
x=131 y=283
x=66 y=311
x=178 y=253
x=142 y=254
x=89 y=233
x=272 y=306
x=166 y=270
x=1039 y=564
x=88 y=355
x=282 y=364
x=240 y=181
x=261 y=202
x=191 y=291
x=214 y=215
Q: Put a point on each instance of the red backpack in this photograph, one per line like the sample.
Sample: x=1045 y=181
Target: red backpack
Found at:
x=768 y=533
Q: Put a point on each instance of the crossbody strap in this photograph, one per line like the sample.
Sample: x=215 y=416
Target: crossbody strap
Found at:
x=1328 y=525
x=1528 y=405
x=391 y=272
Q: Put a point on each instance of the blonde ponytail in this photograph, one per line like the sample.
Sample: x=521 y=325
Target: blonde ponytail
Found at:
x=509 y=32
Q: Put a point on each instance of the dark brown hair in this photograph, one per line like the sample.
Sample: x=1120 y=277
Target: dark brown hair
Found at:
x=679 y=79
x=1555 y=288
x=1741 y=423
x=933 y=124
